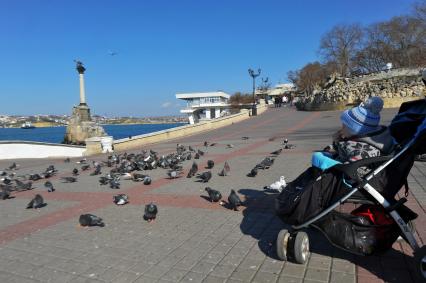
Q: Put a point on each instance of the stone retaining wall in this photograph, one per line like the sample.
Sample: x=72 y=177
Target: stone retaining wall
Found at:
x=394 y=87
x=387 y=103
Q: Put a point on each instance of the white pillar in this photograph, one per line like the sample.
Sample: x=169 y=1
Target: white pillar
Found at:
x=208 y=114
x=82 y=93
x=191 y=119
x=217 y=113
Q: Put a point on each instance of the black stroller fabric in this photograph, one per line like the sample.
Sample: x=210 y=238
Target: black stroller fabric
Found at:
x=312 y=192
x=404 y=125
x=308 y=195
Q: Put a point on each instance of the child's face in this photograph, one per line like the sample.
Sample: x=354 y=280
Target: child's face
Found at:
x=342 y=133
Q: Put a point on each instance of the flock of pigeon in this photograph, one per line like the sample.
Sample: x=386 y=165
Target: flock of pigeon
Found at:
x=128 y=167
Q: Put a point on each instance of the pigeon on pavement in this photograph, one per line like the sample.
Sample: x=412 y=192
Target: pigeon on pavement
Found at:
x=205 y=176
x=120 y=199
x=147 y=180
x=5 y=192
x=214 y=195
x=69 y=179
x=14 y=166
x=210 y=164
x=151 y=211
x=85 y=167
x=193 y=170
x=226 y=169
x=90 y=220
x=173 y=174
x=114 y=183
x=49 y=186
x=36 y=202
x=278 y=185
x=252 y=173
x=234 y=200
x=277 y=152
x=21 y=186
x=97 y=171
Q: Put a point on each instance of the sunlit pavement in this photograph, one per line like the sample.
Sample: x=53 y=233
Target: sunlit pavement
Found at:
x=192 y=239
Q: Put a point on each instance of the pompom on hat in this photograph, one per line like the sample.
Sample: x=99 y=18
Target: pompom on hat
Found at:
x=364 y=118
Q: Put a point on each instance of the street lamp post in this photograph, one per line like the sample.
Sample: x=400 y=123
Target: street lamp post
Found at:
x=254 y=75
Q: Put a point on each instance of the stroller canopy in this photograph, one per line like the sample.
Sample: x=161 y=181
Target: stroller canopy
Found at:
x=410 y=123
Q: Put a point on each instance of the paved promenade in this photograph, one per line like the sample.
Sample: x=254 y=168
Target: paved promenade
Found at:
x=192 y=240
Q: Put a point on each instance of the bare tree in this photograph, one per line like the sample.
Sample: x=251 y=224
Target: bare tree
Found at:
x=264 y=86
x=240 y=98
x=293 y=76
x=375 y=52
x=404 y=39
x=340 y=45
x=310 y=77
x=419 y=11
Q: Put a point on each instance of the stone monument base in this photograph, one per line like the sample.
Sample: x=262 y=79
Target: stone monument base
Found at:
x=82 y=111
x=81 y=127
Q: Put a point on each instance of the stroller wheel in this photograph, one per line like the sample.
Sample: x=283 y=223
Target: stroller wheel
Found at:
x=301 y=247
x=282 y=244
x=420 y=262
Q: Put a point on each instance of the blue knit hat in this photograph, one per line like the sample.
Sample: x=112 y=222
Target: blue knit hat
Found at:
x=364 y=118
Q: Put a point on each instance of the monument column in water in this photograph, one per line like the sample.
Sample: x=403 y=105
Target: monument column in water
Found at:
x=81 y=126
x=80 y=69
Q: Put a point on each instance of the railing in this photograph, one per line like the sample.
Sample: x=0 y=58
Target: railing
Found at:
x=207 y=104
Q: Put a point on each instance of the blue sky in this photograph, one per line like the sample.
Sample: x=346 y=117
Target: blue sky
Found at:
x=164 y=47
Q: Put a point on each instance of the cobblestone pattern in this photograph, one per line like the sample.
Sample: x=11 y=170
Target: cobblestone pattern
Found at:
x=192 y=240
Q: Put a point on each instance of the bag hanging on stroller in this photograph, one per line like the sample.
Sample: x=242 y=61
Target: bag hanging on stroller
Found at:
x=367 y=230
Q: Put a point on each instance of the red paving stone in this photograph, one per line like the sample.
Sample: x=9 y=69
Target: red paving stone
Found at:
x=102 y=199
x=368 y=269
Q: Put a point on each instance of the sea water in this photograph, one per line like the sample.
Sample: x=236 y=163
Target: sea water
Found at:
x=56 y=134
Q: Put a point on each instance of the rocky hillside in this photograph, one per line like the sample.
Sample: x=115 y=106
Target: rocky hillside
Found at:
x=398 y=83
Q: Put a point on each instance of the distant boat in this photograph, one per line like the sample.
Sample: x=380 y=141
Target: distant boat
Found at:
x=27 y=125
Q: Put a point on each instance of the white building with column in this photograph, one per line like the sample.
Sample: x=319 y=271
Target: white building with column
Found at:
x=202 y=106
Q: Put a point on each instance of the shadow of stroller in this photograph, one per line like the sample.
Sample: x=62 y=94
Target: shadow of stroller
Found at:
x=259 y=219
x=261 y=222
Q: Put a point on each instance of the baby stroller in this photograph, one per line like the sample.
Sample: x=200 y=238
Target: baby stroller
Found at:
x=311 y=199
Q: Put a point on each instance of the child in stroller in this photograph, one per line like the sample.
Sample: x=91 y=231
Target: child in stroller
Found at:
x=359 y=137
x=311 y=198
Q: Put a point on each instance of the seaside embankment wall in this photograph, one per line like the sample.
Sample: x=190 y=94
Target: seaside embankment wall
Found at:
x=27 y=149
x=138 y=141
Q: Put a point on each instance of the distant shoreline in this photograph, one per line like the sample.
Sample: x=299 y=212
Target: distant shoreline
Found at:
x=115 y=124
x=145 y=123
